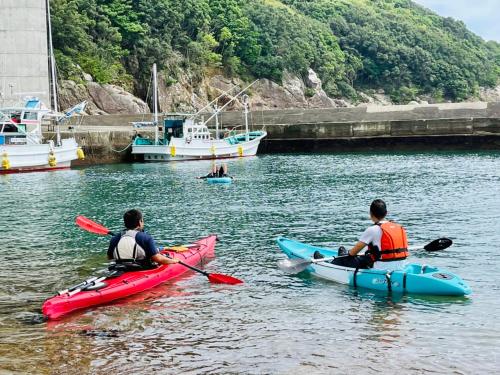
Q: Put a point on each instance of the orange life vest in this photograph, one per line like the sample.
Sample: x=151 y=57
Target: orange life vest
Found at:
x=394 y=242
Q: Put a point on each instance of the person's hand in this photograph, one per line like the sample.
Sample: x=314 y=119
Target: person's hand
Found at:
x=174 y=260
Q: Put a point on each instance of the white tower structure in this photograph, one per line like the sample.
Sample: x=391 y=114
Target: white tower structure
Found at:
x=24 y=63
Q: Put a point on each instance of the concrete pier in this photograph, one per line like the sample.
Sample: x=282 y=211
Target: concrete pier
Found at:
x=461 y=126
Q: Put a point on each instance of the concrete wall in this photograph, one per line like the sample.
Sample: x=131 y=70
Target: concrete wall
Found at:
x=463 y=126
x=258 y=119
x=23 y=51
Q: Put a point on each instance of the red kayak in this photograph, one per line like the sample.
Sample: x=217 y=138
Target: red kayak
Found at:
x=128 y=283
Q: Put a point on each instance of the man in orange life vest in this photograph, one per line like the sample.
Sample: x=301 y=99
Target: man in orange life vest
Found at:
x=387 y=244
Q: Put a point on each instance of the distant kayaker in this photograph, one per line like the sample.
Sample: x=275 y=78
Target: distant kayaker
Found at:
x=134 y=246
x=387 y=244
x=216 y=171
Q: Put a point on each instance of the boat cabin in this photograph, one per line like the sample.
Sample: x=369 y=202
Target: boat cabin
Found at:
x=21 y=125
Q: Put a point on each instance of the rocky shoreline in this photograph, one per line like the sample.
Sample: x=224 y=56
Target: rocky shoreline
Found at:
x=182 y=96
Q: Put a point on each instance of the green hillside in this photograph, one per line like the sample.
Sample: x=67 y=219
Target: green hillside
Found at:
x=352 y=44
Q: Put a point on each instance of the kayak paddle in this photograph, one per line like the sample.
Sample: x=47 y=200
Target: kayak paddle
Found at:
x=436 y=245
x=93 y=227
x=299 y=265
x=293 y=266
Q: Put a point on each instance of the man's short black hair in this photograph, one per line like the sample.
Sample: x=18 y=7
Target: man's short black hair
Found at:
x=378 y=209
x=131 y=218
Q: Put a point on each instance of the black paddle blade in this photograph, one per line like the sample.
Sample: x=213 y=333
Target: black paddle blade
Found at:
x=439 y=244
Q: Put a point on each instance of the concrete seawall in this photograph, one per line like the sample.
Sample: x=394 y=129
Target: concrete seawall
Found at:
x=413 y=127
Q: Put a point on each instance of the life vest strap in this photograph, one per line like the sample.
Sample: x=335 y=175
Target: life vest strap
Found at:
x=394 y=251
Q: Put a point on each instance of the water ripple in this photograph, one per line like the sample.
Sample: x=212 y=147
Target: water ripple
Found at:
x=274 y=323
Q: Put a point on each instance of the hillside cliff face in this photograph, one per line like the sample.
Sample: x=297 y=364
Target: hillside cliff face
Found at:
x=304 y=54
x=184 y=97
x=263 y=95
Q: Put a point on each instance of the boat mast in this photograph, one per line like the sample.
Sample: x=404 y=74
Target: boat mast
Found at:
x=52 y=61
x=245 y=104
x=155 y=104
x=53 y=77
x=216 y=107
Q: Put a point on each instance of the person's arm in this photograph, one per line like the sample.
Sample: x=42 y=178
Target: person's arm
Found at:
x=151 y=248
x=357 y=248
x=162 y=259
x=112 y=245
x=366 y=237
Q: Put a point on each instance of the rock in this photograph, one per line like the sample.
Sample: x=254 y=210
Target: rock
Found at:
x=321 y=100
x=488 y=94
x=342 y=103
x=382 y=99
x=312 y=80
x=114 y=99
x=87 y=77
x=413 y=102
x=365 y=98
x=269 y=95
x=295 y=86
x=71 y=94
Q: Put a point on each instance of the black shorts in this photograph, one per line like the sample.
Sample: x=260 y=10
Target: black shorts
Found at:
x=360 y=261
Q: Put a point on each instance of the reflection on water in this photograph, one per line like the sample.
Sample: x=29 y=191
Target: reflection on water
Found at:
x=274 y=323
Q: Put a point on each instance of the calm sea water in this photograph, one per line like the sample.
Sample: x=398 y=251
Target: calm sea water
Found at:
x=274 y=323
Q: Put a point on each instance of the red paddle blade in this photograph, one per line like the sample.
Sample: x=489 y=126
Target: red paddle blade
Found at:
x=91 y=226
x=217 y=278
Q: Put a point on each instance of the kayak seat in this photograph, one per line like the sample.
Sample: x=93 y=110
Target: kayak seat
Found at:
x=130 y=266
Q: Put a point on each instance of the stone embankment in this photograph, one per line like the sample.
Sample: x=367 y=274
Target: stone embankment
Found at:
x=410 y=127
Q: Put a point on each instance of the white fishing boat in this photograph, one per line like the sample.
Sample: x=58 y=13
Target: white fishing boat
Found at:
x=22 y=147
x=185 y=137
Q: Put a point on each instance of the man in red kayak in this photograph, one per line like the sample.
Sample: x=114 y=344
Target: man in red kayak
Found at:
x=133 y=246
x=387 y=244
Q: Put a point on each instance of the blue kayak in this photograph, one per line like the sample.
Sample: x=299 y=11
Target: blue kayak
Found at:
x=219 y=180
x=414 y=278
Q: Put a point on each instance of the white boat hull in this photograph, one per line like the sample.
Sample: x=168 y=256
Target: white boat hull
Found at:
x=181 y=149
x=35 y=157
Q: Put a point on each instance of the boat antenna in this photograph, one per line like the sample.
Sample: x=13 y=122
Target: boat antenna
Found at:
x=155 y=103
x=229 y=102
x=214 y=101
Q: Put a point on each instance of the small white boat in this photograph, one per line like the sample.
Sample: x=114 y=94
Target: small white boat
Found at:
x=22 y=148
x=182 y=138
